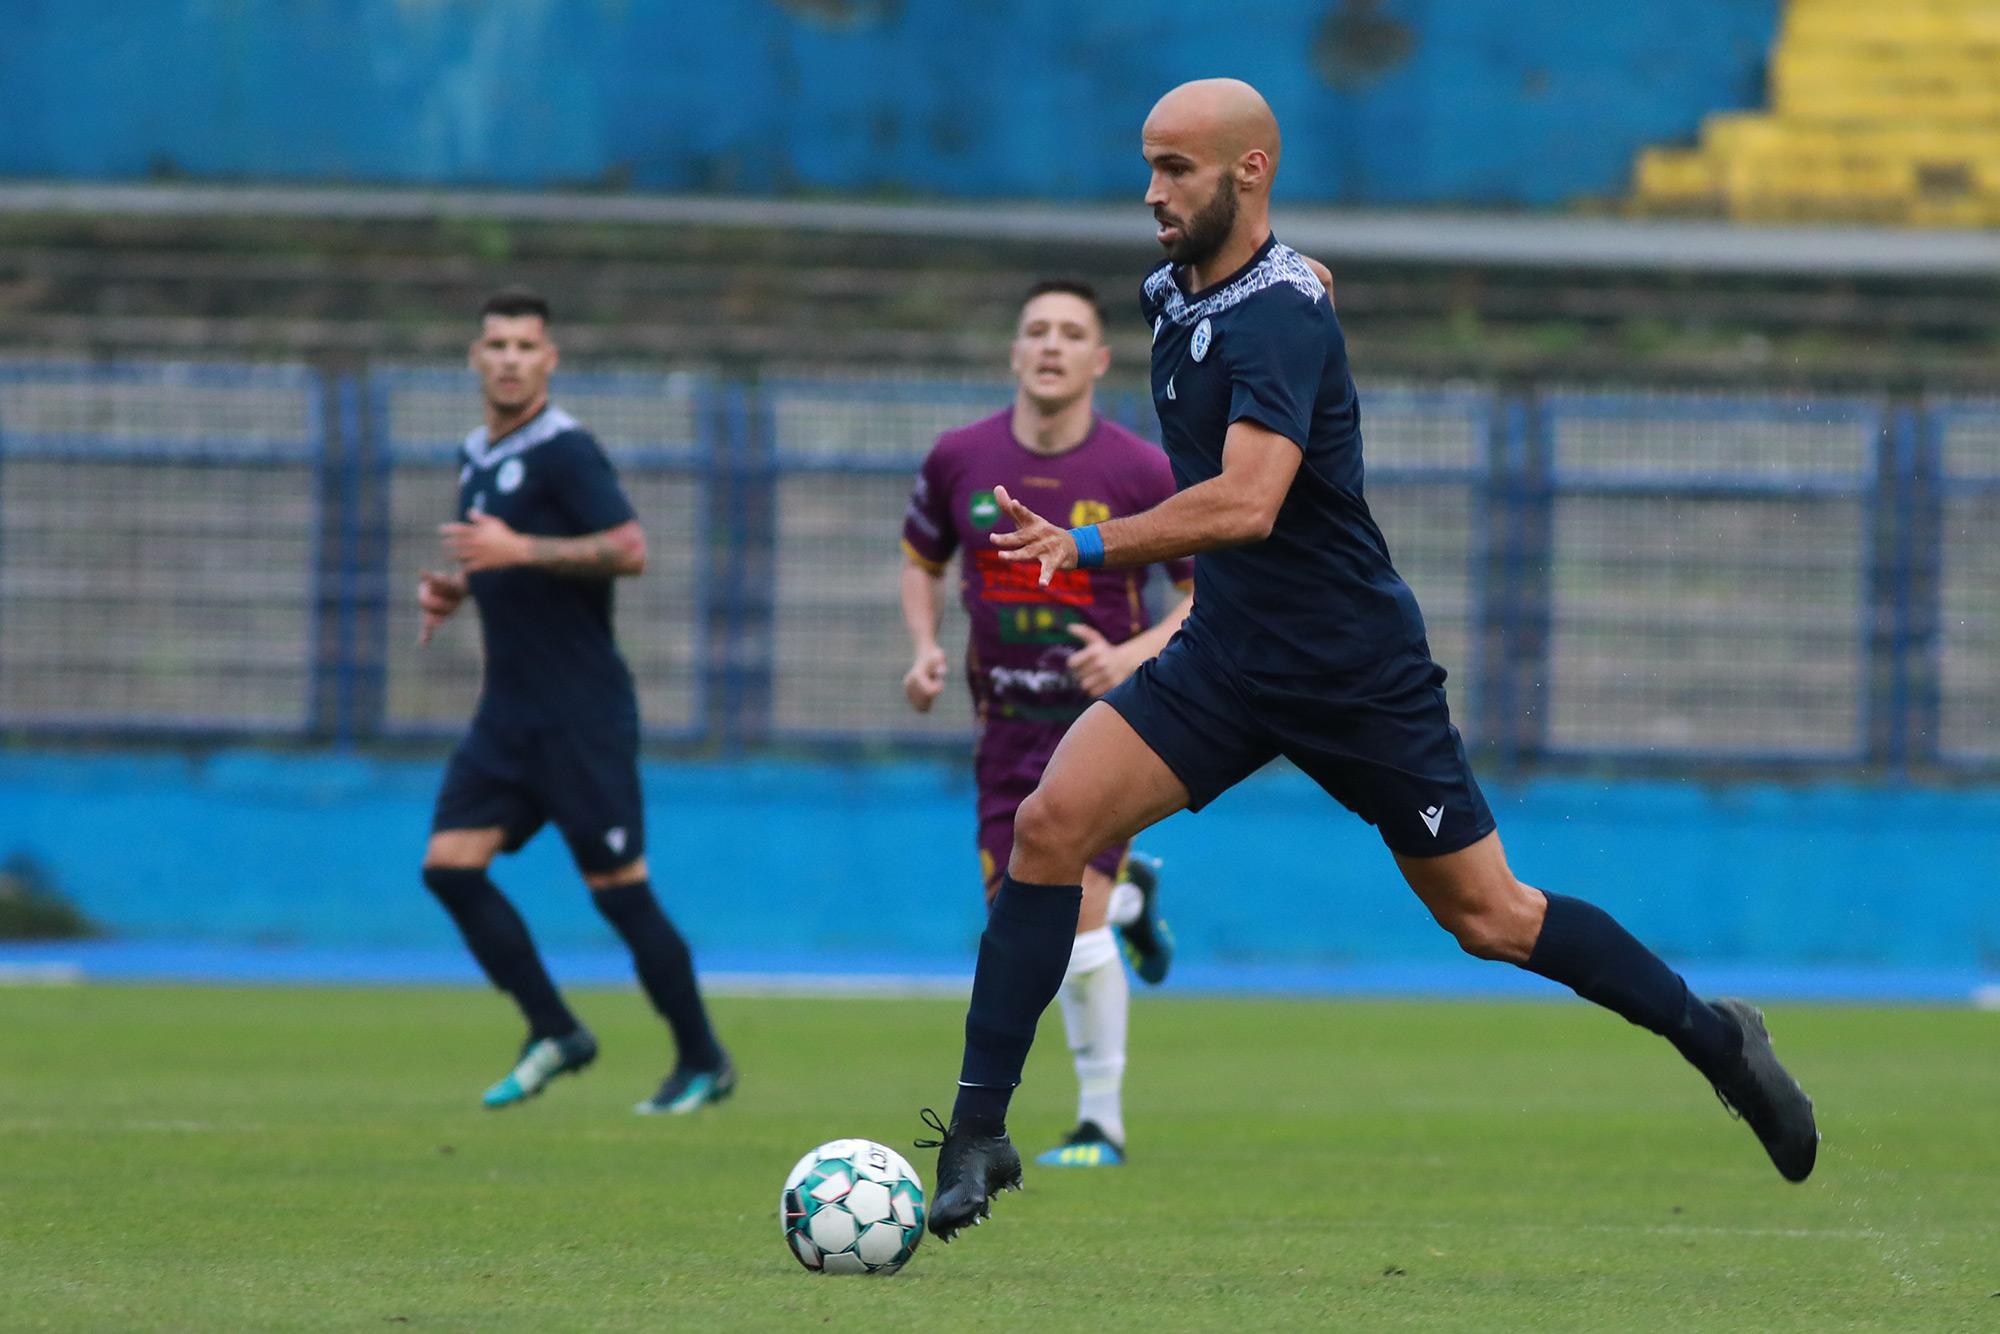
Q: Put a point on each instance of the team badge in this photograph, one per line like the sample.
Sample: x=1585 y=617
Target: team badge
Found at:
x=1202 y=337
x=984 y=510
x=511 y=473
x=1088 y=511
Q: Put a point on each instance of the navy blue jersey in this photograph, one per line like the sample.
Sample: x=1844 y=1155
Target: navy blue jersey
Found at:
x=550 y=654
x=1263 y=345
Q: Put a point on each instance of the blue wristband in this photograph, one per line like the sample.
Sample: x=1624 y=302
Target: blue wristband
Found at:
x=1089 y=546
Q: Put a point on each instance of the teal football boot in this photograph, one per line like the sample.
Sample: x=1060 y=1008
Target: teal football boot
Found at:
x=686 y=1091
x=1149 y=945
x=542 y=1059
x=1087 y=1146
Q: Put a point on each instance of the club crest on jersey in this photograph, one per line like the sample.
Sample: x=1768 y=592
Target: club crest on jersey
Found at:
x=509 y=478
x=983 y=509
x=1203 y=336
x=1088 y=511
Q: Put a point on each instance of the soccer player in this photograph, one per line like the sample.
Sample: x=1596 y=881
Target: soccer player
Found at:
x=1040 y=653
x=543 y=530
x=1303 y=642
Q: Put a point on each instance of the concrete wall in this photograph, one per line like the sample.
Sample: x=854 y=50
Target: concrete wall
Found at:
x=1490 y=102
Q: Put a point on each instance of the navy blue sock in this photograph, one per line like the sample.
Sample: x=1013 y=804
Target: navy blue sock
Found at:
x=1023 y=955
x=665 y=967
x=1583 y=948
x=499 y=940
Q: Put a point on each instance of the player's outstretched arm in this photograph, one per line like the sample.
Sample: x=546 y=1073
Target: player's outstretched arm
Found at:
x=1235 y=507
x=484 y=542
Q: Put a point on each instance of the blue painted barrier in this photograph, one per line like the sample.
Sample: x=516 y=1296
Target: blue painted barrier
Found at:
x=1402 y=101
x=817 y=868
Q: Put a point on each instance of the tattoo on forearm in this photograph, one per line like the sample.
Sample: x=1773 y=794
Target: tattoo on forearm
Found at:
x=595 y=556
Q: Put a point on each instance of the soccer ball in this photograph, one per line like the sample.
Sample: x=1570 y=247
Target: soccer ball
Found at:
x=852 y=1206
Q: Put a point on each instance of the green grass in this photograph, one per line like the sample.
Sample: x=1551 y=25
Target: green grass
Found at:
x=272 y=1159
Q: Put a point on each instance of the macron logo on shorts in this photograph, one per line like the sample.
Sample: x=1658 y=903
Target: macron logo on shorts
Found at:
x=1432 y=818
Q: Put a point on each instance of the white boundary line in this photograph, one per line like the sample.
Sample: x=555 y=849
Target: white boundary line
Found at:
x=41 y=975
x=838 y=986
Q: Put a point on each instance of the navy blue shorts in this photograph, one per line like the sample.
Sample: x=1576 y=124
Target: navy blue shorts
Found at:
x=1378 y=738
x=518 y=777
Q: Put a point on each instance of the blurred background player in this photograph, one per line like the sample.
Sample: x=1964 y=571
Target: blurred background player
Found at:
x=1039 y=655
x=544 y=529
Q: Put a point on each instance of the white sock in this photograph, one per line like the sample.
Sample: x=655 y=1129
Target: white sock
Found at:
x=1126 y=904
x=1096 y=1003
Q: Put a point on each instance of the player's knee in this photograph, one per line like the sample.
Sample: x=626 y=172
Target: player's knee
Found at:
x=452 y=885
x=631 y=873
x=1498 y=929
x=1479 y=935
x=1043 y=829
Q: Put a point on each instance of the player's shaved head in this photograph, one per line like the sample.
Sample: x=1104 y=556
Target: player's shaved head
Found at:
x=1223 y=118
x=1213 y=148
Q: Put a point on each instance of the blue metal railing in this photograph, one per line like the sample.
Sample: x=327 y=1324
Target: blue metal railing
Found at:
x=1668 y=468
x=127 y=567
x=1686 y=579
x=1954 y=648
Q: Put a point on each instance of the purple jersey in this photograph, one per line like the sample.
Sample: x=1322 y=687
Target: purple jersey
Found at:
x=1016 y=662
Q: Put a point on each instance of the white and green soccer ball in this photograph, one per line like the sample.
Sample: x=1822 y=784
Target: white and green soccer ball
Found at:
x=852 y=1206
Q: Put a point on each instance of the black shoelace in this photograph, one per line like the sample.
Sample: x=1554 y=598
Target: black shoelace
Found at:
x=930 y=1118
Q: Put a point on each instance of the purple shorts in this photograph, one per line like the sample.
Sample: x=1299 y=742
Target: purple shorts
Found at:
x=1007 y=765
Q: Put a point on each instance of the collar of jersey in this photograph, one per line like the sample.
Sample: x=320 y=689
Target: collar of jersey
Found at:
x=545 y=426
x=1271 y=265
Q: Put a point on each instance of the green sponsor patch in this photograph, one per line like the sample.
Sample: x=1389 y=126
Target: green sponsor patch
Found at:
x=1038 y=625
x=984 y=509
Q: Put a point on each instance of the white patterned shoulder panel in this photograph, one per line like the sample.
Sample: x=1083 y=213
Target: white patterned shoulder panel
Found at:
x=1282 y=265
x=551 y=423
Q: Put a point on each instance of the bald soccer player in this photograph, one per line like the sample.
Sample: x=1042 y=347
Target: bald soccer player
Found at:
x=1303 y=642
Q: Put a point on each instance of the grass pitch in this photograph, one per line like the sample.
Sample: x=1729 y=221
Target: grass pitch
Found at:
x=282 y=1159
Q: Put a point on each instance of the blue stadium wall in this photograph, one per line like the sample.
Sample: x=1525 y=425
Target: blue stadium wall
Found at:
x=789 y=867
x=1489 y=102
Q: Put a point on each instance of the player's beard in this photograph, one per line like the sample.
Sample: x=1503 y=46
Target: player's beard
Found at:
x=1208 y=229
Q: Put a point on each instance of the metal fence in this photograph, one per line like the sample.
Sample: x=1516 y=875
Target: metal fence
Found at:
x=207 y=551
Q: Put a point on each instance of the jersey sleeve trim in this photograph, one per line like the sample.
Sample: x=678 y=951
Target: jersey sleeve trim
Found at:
x=919 y=558
x=1259 y=414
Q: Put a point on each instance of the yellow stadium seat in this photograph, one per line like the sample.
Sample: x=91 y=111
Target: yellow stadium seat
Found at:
x=1879 y=110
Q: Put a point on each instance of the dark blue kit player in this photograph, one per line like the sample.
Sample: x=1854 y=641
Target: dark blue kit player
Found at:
x=1303 y=642
x=543 y=530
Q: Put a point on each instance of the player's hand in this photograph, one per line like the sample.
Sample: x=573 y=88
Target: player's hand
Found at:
x=1321 y=272
x=1099 y=664
x=924 y=682
x=438 y=596
x=1034 y=538
x=484 y=542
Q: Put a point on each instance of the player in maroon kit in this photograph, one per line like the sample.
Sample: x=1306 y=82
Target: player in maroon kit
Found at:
x=1039 y=655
